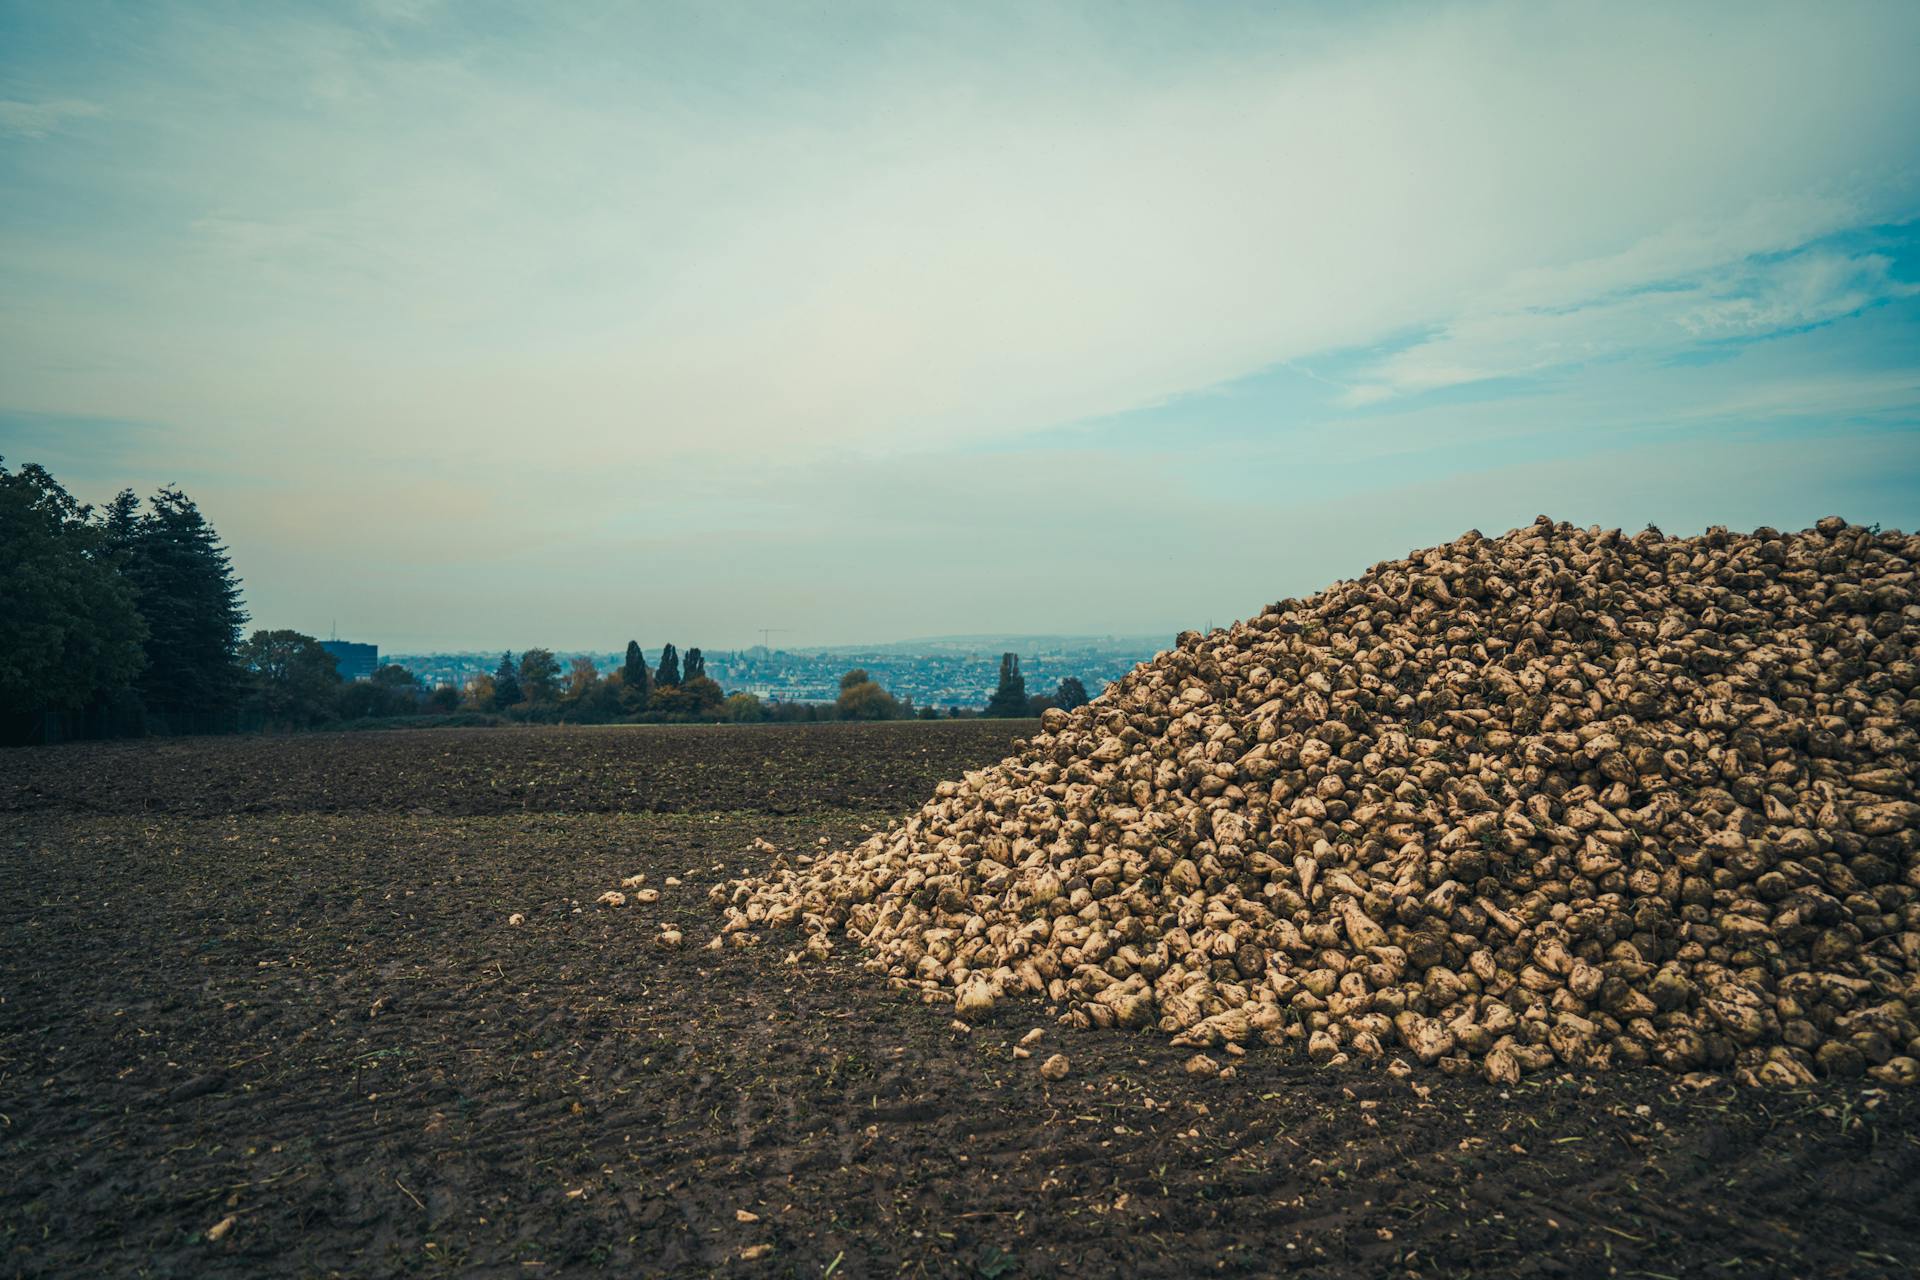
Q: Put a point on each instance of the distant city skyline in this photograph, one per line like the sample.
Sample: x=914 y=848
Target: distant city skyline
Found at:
x=996 y=643
x=467 y=323
x=934 y=672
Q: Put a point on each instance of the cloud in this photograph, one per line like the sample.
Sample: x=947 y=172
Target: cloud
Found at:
x=693 y=277
x=948 y=228
x=38 y=119
x=1814 y=287
x=1743 y=300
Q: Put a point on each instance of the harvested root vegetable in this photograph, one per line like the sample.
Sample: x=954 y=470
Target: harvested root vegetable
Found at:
x=974 y=1000
x=1564 y=797
x=612 y=898
x=1056 y=1067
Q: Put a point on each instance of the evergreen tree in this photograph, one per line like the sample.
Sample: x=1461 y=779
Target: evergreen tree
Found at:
x=120 y=525
x=1070 y=694
x=1010 y=699
x=69 y=631
x=636 y=679
x=184 y=586
x=506 y=683
x=669 y=672
x=696 y=666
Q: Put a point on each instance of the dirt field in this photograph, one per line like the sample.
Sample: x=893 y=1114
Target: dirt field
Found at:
x=271 y=985
x=803 y=769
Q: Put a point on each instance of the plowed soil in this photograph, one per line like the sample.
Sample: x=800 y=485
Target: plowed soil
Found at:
x=604 y=769
x=262 y=1013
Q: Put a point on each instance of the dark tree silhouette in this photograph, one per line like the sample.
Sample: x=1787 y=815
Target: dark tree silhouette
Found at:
x=69 y=632
x=540 y=675
x=636 y=679
x=1070 y=694
x=696 y=666
x=1010 y=699
x=506 y=682
x=294 y=679
x=185 y=588
x=395 y=676
x=120 y=524
x=669 y=672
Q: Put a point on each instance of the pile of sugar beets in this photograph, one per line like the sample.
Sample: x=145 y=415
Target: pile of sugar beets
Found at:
x=1564 y=796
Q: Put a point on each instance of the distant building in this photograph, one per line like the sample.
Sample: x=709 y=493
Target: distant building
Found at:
x=353 y=661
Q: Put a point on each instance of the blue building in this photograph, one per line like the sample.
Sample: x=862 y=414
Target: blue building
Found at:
x=353 y=661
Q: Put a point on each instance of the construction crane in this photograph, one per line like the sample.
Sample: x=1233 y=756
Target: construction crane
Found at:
x=766 y=633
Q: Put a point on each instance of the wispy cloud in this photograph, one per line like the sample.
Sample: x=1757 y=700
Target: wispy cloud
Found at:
x=1749 y=299
x=38 y=119
x=557 y=259
x=943 y=228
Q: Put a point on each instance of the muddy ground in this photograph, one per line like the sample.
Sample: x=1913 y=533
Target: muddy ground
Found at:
x=262 y=1013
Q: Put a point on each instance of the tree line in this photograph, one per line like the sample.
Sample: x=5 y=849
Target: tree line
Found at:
x=534 y=688
x=678 y=689
x=128 y=619
x=124 y=619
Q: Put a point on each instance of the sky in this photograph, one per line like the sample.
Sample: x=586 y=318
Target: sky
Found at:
x=486 y=325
